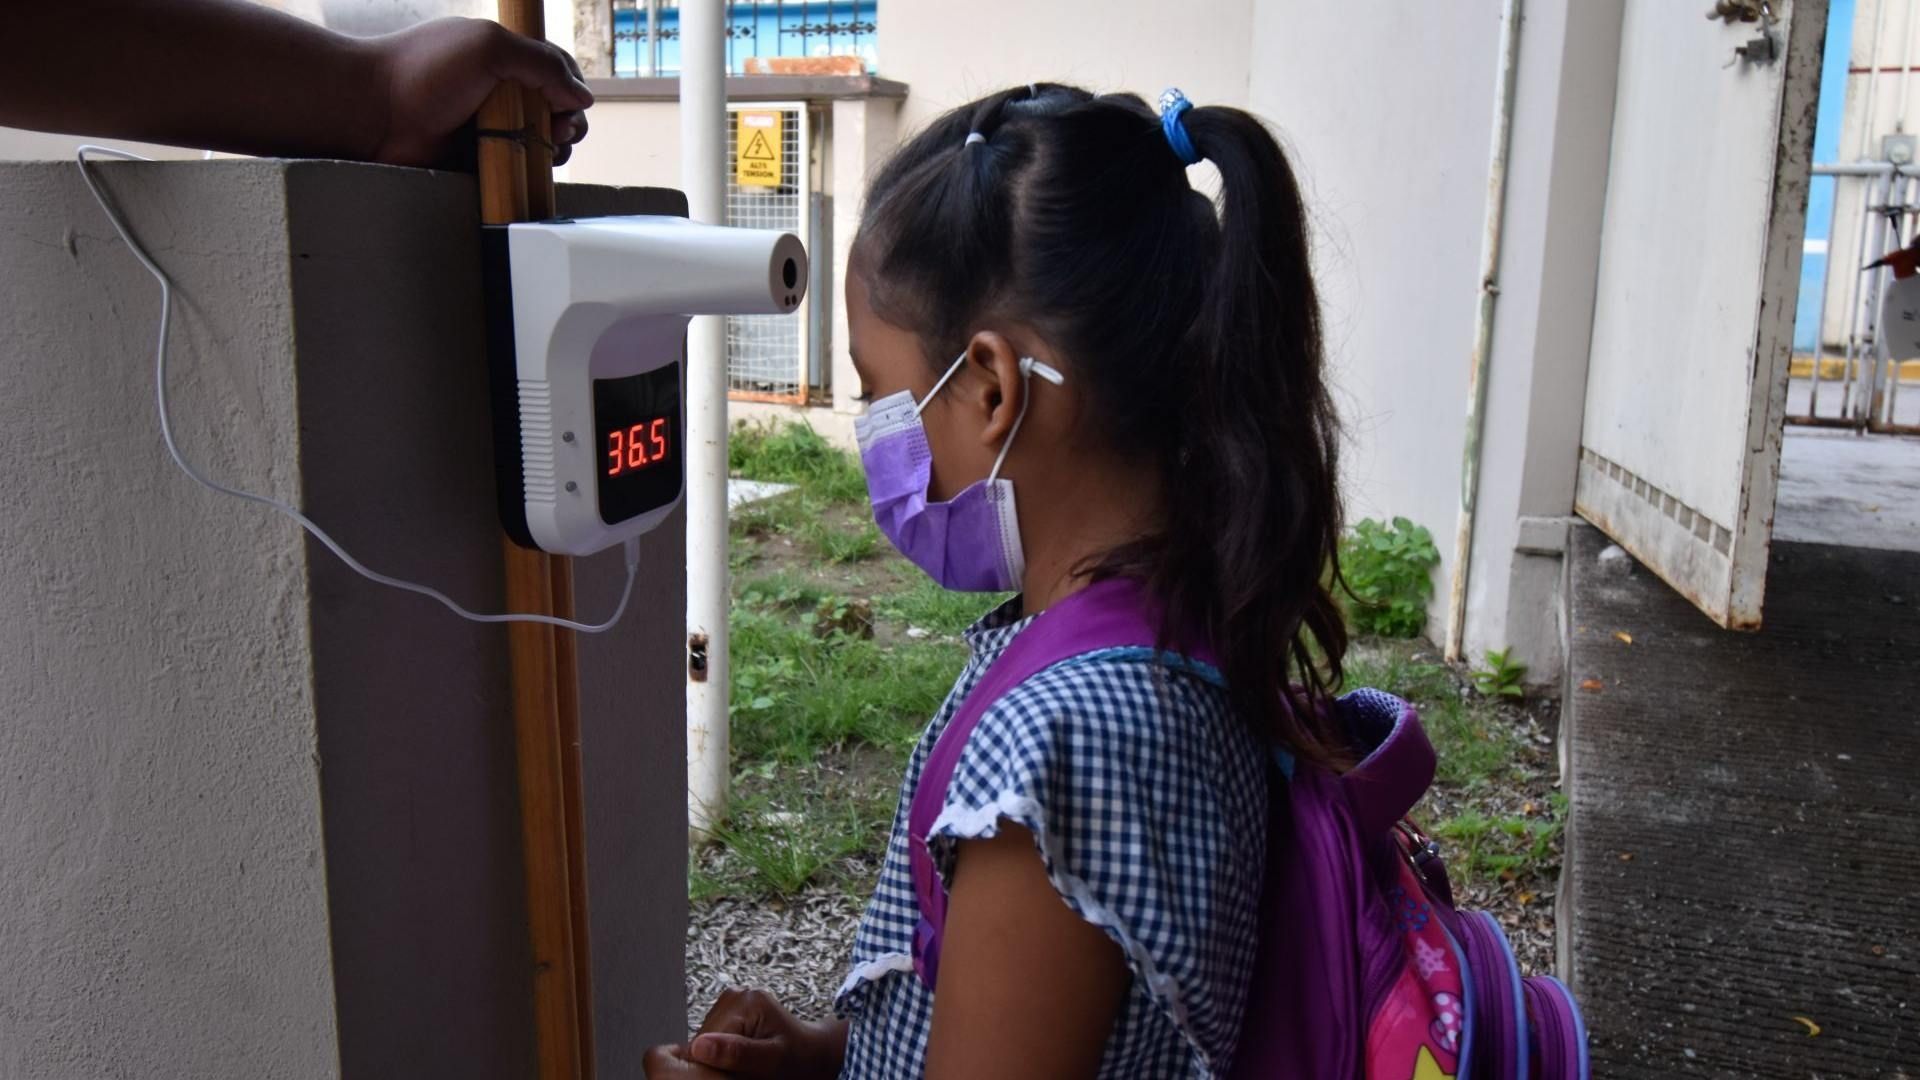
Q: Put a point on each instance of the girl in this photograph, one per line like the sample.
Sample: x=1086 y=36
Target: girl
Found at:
x=1085 y=369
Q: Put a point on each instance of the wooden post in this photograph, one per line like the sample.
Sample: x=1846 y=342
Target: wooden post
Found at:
x=516 y=184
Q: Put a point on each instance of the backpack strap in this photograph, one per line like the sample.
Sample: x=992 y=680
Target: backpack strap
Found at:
x=1384 y=787
x=1115 y=613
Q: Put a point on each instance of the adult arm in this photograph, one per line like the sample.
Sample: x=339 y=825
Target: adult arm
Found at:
x=234 y=76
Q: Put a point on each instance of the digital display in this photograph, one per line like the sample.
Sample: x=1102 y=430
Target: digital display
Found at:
x=637 y=423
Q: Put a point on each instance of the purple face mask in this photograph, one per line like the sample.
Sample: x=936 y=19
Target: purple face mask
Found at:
x=971 y=542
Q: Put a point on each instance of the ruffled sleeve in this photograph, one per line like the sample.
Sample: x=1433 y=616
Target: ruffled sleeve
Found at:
x=1146 y=801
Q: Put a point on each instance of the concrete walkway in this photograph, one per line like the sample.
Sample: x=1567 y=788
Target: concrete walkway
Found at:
x=1857 y=491
x=1744 y=858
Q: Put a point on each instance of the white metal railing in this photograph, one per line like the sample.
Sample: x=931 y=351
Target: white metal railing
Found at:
x=1864 y=395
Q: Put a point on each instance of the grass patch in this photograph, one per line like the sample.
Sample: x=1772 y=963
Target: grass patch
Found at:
x=821 y=728
x=841 y=544
x=782 y=835
x=795 y=695
x=928 y=606
x=783 y=591
x=794 y=453
x=1504 y=846
x=781 y=515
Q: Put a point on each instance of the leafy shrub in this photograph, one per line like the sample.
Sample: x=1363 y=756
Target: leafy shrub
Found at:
x=1388 y=575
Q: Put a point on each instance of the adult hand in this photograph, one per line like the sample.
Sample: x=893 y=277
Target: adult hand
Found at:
x=436 y=75
x=749 y=1034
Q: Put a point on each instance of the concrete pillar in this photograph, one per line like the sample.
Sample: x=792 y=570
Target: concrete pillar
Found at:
x=258 y=815
x=864 y=131
x=1563 y=120
x=592 y=37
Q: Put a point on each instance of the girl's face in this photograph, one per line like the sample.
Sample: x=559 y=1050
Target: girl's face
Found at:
x=970 y=416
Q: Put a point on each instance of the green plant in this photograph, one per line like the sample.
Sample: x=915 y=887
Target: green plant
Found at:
x=1388 y=571
x=1502 y=676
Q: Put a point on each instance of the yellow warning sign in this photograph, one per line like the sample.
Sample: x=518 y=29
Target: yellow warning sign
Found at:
x=757 y=148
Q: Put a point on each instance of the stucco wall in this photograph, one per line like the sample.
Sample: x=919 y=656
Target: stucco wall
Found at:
x=266 y=823
x=163 y=905
x=1387 y=115
x=1556 y=189
x=948 y=59
x=1389 y=119
x=630 y=142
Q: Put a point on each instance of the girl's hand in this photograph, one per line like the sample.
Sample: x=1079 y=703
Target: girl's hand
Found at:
x=670 y=1063
x=747 y=1033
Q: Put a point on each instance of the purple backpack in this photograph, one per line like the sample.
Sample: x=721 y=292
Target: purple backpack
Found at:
x=1364 y=968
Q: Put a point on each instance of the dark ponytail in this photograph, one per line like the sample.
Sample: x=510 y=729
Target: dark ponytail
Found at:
x=1073 y=213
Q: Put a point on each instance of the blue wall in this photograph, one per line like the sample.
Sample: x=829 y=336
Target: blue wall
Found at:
x=1826 y=150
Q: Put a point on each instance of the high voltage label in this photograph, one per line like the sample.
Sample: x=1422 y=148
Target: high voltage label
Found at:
x=757 y=148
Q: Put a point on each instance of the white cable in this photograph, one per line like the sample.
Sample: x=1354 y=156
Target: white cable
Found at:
x=166 y=433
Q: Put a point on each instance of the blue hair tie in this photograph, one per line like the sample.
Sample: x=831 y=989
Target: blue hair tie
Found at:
x=1173 y=105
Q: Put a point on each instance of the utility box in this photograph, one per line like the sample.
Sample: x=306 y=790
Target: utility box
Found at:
x=258 y=816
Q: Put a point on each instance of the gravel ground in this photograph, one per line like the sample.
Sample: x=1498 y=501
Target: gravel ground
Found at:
x=797 y=948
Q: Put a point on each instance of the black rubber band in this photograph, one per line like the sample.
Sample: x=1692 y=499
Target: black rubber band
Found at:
x=524 y=136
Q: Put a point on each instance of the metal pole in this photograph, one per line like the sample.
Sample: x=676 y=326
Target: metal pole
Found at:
x=651 y=66
x=1820 y=324
x=1875 y=175
x=1876 y=287
x=1882 y=353
x=1906 y=66
x=1866 y=168
x=1892 y=366
x=703 y=130
x=1873 y=79
x=1494 y=218
x=1853 y=286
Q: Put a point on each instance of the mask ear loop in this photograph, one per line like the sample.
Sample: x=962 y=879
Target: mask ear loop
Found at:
x=1029 y=367
x=952 y=369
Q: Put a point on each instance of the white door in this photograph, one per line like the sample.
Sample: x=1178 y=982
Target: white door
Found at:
x=1693 y=318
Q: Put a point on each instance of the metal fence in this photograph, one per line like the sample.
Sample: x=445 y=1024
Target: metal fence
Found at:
x=1850 y=380
x=646 y=33
x=767 y=355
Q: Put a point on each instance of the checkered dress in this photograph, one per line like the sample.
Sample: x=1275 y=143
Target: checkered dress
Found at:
x=1147 y=799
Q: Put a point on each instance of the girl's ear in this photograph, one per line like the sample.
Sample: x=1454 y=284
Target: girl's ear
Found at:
x=993 y=390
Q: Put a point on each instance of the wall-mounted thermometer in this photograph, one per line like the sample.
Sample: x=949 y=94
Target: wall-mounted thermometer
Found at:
x=587 y=327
